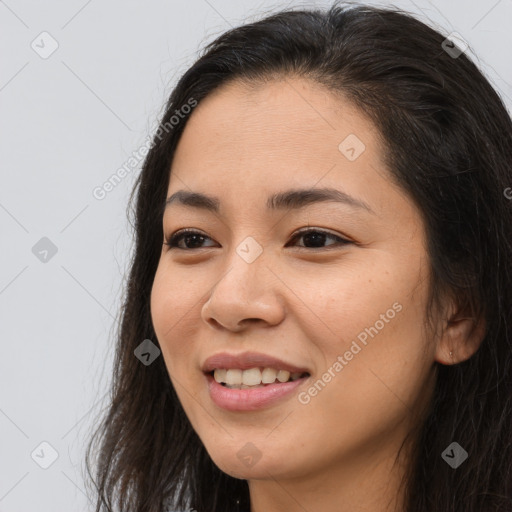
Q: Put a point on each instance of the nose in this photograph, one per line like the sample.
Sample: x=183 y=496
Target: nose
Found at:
x=246 y=294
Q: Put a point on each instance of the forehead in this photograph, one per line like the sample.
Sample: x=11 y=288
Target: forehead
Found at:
x=251 y=141
x=246 y=118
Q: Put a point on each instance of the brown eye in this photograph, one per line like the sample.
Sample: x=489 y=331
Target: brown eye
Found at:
x=317 y=238
x=189 y=236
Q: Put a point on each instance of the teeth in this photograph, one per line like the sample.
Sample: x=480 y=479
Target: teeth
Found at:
x=220 y=375
x=283 y=376
x=251 y=377
x=234 y=377
x=268 y=376
x=254 y=377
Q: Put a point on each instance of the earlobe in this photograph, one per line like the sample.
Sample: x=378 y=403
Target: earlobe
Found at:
x=461 y=339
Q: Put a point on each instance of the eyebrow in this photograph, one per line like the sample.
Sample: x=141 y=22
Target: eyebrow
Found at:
x=290 y=199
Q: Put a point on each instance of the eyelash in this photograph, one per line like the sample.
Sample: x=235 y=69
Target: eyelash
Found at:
x=172 y=241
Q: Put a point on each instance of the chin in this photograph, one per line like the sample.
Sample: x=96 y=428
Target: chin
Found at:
x=249 y=463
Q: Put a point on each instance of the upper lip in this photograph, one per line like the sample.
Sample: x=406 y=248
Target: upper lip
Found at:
x=247 y=360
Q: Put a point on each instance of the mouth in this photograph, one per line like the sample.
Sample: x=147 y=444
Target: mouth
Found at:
x=254 y=378
x=239 y=397
x=250 y=381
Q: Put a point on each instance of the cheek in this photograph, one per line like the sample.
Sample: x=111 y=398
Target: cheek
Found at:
x=172 y=302
x=169 y=313
x=345 y=304
x=374 y=349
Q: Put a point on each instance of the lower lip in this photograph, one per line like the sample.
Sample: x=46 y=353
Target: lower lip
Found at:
x=250 y=399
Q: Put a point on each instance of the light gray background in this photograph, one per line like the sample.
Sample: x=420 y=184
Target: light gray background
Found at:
x=68 y=122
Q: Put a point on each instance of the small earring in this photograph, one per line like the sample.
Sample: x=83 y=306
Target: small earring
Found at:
x=451 y=354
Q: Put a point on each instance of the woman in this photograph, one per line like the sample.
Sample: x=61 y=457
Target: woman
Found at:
x=319 y=308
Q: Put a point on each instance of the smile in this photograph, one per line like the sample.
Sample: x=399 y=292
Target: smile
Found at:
x=243 y=397
x=254 y=377
x=250 y=381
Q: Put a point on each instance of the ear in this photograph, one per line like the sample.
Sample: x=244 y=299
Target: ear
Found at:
x=462 y=336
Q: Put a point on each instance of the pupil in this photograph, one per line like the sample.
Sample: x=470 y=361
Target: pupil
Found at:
x=193 y=236
x=319 y=237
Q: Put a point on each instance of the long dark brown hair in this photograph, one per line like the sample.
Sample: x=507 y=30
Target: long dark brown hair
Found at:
x=448 y=139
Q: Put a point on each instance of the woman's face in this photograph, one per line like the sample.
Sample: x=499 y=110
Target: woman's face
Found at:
x=349 y=316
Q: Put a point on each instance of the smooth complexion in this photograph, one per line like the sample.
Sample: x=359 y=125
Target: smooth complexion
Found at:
x=300 y=301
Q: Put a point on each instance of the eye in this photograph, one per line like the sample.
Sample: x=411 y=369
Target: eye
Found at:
x=316 y=237
x=185 y=234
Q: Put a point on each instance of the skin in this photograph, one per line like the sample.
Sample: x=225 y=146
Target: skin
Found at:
x=303 y=305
